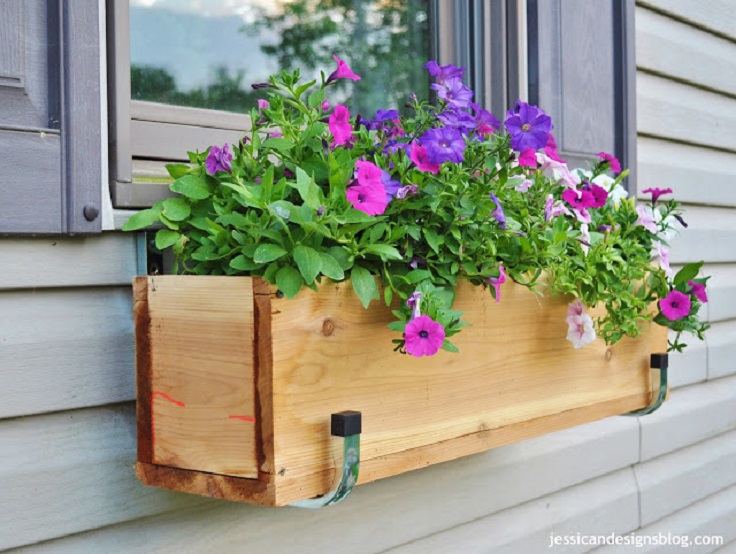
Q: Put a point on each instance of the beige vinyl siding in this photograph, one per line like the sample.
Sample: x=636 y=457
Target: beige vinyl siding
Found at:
x=66 y=385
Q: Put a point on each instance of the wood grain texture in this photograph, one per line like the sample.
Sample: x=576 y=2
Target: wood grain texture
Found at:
x=62 y=349
x=12 y=49
x=672 y=48
x=697 y=175
x=202 y=383
x=674 y=111
x=325 y=353
x=36 y=263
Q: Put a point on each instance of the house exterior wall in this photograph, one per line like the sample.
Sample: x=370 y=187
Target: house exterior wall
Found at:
x=67 y=427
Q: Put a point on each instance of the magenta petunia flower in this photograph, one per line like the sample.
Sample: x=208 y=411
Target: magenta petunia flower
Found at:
x=368 y=199
x=528 y=126
x=444 y=144
x=612 y=161
x=579 y=199
x=600 y=195
x=656 y=193
x=551 y=149
x=498 y=214
x=496 y=282
x=675 y=305
x=340 y=127
x=423 y=336
x=343 y=71
x=325 y=105
x=219 y=159
x=698 y=291
x=528 y=158
x=418 y=155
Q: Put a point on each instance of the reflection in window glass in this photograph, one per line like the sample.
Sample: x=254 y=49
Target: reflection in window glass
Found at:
x=206 y=53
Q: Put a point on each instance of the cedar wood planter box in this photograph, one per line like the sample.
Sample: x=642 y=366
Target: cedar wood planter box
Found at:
x=236 y=385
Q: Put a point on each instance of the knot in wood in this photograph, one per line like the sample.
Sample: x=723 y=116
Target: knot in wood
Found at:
x=609 y=354
x=328 y=327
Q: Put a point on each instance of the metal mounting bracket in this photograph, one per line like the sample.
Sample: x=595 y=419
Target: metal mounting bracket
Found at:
x=661 y=362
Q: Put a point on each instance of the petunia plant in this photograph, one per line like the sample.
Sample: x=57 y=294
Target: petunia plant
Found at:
x=448 y=192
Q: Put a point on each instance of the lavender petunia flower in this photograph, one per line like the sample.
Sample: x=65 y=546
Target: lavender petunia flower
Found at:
x=408 y=190
x=392 y=186
x=648 y=218
x=443 y=73
x=485 y=122
x=458 y=119
x=528 y=126
x=415 y=302
x=498 y=214
x=443 y=144
x=455 y=93
x=219 y=159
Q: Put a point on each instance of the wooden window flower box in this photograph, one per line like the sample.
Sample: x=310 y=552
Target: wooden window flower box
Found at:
x=236 y=384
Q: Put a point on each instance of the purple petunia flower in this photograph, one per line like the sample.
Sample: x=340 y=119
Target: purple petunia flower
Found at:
x=498 y=214
x=612 y=161
x=408 y=190
x=496 y=282
x=656 y=193
x=698 y=291
x=528 y=126
x=343 y=71
x=415 y=302
x=443 y=144
x=423 y=336
x=485 y=122
x=392 y=186
x=458 y=119
x=219 y=159
x=455 y=93
x=443 y=73
x=675 y=305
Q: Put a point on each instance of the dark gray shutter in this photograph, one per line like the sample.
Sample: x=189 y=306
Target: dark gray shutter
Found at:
x=50 y=118
x=581 y=72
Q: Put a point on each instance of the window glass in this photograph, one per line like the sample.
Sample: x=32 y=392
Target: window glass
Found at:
x=206 y=53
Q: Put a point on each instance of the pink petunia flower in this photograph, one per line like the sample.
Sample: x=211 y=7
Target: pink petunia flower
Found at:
x=557 y=171
x=551 y=149
x=574 y=309
x=675 y=305
x=661 y=256
x=584 y=239
x=368 y=199
x=418 y=155
x=340 y=127
x=614 y=164
x=343 y=71
x=528 y=158
x=423 y=336
x=524 y=185
x=496 y=282
x=648 y=218
x=580 y=330
x=262 y=105
x=698 y=291
x=554 y=208
x=325 y=105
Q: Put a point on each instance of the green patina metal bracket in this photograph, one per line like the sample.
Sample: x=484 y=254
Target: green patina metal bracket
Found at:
x=348 y=425
x=658 y=361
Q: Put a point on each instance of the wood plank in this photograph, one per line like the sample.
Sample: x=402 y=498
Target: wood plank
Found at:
x=169 y=141
x=404 y=508
x=710 y=236
x=670 y=47
x=108 y=259
x=420 y=411
x=203 y=384
x=69 y=472
x=716 y=15
x=64 y=349
x=671 y=110
x=697 y=175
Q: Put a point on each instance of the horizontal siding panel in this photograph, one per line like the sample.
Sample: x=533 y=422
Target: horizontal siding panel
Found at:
x=676 y=49
x=155 y=140
x=721 y=348
x=717 y=15
x=674 y=481
x=721 y=291
x=109 y=259
x=183 y=115
x=696 y=175
x=69 y=472
x=691 y=365
x=675 y=111
x=710 y=236
x=65 y=348
x=691 y=414
x=389 y=512
x=599 y=507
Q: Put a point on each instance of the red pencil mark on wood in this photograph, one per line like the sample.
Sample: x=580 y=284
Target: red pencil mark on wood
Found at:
x=165 y=397
x=243 y=418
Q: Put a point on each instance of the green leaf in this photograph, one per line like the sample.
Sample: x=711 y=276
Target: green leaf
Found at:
x=176 y=209
x=191 y=186
x=417 y=275
x=385 y=251
x=330 y=268
x=432 y=239
x=364 y=285
x=178 y=170
x=144 y=218
x=308 y=261
x=688 y=272
x=280 y=144
x=233 y=219
x=308 y=189
x=267 y=253
x=356 y=216
x=242 y=263
x=166 y=238
x=342 y=256
x=289 y=281
x=447 y=345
